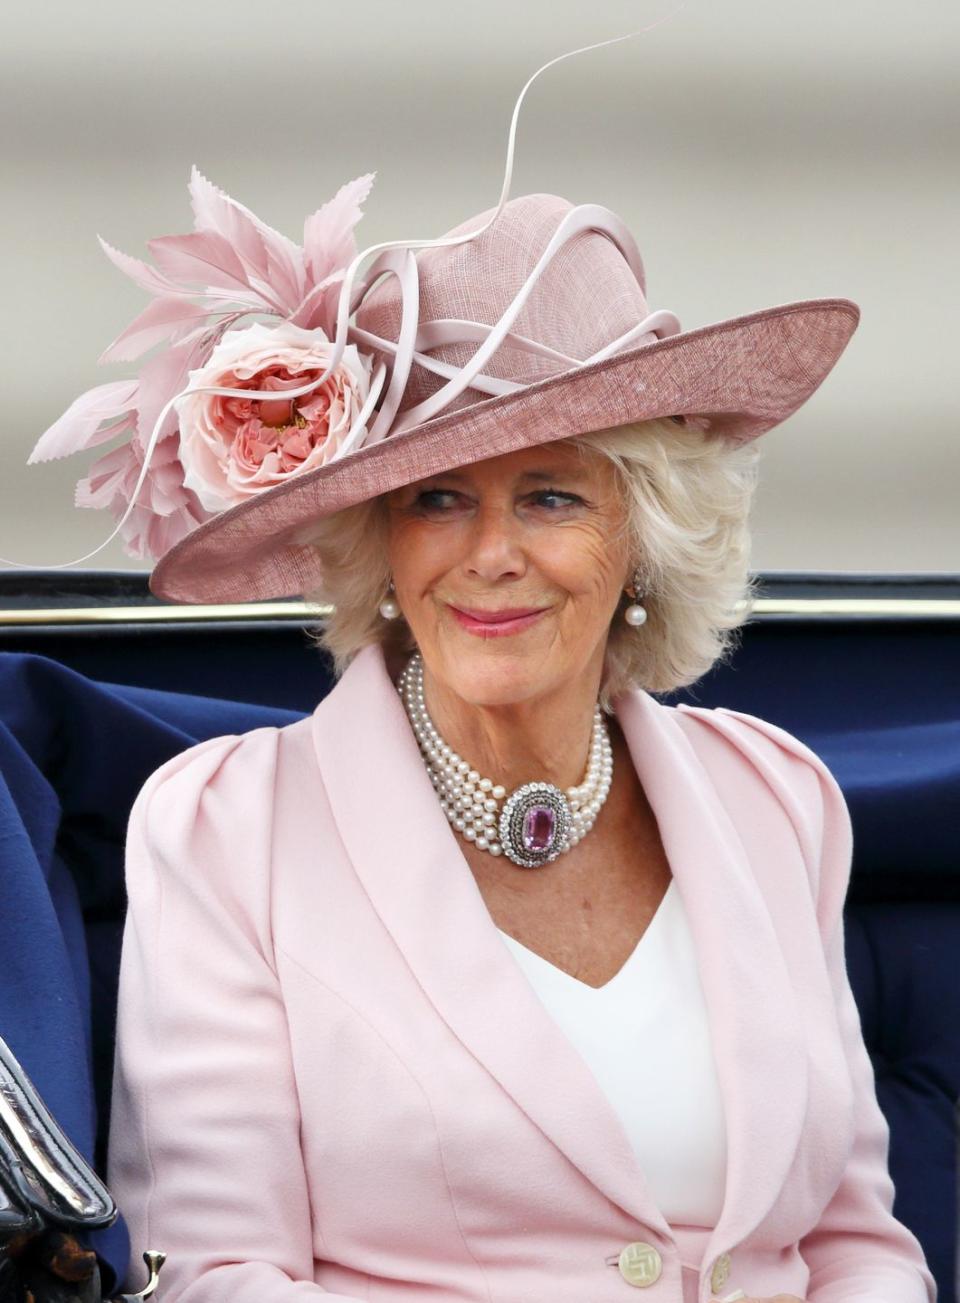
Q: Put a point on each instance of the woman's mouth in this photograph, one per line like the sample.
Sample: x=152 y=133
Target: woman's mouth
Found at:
x=497 y=624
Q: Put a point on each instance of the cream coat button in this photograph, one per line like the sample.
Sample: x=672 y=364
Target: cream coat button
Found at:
x=640 y=1263
x=720 y=1273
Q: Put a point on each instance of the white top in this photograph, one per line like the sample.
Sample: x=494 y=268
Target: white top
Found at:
x=646 y=1037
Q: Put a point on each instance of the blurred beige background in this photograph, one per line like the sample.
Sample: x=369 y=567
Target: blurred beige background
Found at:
x=760 y=153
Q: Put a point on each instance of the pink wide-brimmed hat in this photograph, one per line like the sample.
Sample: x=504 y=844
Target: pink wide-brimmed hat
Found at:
x=738 y=378
x=525 y=324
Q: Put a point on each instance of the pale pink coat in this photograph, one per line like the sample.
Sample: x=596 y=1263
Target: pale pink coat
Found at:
x=333 y=1080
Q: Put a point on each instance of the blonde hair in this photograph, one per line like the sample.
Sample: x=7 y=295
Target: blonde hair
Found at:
x=687 y=496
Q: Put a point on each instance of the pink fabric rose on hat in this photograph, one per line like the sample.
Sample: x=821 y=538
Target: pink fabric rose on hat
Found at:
x=233 y=448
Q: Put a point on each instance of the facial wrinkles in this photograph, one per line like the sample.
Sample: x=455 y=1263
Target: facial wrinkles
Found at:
x=502 y=546
x=497 y=544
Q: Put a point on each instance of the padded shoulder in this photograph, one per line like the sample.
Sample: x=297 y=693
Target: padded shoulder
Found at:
x=752 y=726
x=202 y=827
x=181 y=781
x=799 y=779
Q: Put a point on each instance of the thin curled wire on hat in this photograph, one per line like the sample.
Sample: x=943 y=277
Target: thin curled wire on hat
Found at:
x=396 y=257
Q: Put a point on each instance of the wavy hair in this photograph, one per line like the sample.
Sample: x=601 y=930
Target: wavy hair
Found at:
x=687 y=496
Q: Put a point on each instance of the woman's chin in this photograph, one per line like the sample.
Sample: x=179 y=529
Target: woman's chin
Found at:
x=493 y=674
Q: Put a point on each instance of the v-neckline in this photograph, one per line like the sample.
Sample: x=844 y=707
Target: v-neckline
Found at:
x=627 y=963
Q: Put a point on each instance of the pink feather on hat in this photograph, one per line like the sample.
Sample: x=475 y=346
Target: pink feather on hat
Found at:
x=203 y=283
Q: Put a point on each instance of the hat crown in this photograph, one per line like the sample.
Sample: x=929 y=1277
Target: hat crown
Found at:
x=586 y=296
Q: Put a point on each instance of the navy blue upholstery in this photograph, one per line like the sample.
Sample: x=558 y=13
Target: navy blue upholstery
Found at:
x=85 y=722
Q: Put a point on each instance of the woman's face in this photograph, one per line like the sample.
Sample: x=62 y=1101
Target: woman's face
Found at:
x=509 y=571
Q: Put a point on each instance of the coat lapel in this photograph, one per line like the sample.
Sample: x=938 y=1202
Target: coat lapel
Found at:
x=418 y=881
x=752 y=1006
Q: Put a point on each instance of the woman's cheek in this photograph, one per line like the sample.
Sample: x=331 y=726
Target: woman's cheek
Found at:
x=589 y=572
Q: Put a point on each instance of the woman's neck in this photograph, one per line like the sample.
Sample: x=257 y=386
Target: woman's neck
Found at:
x=542 y=739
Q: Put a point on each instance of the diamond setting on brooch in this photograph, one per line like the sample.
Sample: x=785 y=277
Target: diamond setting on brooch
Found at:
x=535 y=825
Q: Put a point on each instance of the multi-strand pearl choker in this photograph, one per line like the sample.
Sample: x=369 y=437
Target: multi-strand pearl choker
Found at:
x=536 y=822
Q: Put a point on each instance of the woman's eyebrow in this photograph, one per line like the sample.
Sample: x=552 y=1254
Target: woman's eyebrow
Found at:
x=456 y=476
x=539 y=476
x=548 y=476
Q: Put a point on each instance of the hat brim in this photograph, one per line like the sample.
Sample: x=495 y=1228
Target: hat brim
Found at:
x=744 y=375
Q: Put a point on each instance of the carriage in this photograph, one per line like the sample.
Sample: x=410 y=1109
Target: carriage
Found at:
x=100 y=683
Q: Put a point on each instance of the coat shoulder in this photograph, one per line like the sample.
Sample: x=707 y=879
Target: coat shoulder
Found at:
x=184 y=776
x=758 y=738
x=792 y=771
x=778 y=754
x=203 y=821
x=231 y=762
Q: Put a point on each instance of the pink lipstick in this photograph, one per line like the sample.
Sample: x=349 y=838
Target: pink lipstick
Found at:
x=497 y=624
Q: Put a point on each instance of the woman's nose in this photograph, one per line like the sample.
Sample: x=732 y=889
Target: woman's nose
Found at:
x=494 y=548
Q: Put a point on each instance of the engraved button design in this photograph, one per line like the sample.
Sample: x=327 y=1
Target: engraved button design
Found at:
x=720 y=1273
x=640 y=1263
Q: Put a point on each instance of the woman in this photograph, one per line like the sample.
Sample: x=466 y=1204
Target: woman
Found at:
x=496 y=978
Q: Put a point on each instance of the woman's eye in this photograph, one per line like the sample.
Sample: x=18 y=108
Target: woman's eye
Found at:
x=436 y=501
x=449 y=502
x=555 y=500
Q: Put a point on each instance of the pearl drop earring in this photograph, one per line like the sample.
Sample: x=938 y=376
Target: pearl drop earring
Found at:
x=635 y=614
x=389 y=607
